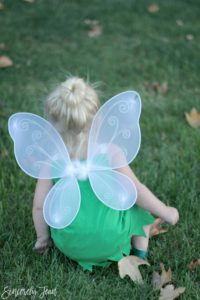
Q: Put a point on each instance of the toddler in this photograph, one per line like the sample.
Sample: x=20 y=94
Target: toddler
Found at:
x=98 y=234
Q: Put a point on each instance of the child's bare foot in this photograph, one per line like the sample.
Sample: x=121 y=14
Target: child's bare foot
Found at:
x=43 y=245
x=172 y=215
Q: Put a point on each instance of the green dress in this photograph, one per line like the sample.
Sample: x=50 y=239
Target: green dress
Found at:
x=99 y=234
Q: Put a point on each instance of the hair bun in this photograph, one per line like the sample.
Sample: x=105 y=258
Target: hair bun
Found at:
x=73 y=91
x=72 y=105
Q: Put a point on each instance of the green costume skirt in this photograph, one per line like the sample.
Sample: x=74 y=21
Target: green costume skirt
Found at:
x=99 y=234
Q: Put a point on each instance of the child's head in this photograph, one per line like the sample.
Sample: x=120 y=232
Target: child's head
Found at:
x=71 y=107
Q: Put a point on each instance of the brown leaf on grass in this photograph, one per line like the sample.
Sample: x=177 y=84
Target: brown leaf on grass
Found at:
x=4 y=153
x=153 y=8
x=156 y=228
x=194 y=264
x=179 y=23
x=169 y=293
x=95 y=31
x=5 y=62
x=95 y=28
x=91 y=22
x=159 y=280
x=129 y=266
x=193 y=118
x=189 y=37
x=160 y=88
x=29 y=1
x=1 y=6
x=3 y=46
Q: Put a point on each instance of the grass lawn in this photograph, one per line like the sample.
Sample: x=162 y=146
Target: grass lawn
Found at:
x=48 y=40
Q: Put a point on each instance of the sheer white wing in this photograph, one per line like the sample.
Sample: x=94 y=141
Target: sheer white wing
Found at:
x=114 y=189
x=115 y=138
x=62 y=203
x=39 y=149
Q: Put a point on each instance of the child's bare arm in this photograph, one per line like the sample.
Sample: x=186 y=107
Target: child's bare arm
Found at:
x=147 y=200
x=43 y=238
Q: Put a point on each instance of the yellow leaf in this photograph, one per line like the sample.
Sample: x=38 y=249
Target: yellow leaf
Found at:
x=5 y=62
x=129 y=266
x=159 y=280
x=193 y=118
x=156 y=228
x=169 y=293
x=153 y=8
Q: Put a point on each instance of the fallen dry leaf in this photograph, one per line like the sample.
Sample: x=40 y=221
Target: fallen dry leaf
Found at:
x=189 y=37
x=169 y=293
x=29 y=1
x=193 y=118
x=4 y=153
x=3 y=46
x=179 y=22
x=91 y=22
x=5 y=62
x=194 y=264
x=95 y=28
x=156 y=228
x=95 y=31
x=129 y=266
x=153 y=8
x=159 y=280
x=157 y=87
x=1 y=6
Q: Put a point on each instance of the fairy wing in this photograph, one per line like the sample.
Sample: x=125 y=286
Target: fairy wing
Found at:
x=41 y=153
x=114 y=189
x=62 y=203
x=39 y=149
x=115 y=137
x=114 y=142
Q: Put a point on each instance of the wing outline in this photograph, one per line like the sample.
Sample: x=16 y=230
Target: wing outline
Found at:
x=113 y=188
x=39 y=149
x=115 y=132
x=60 y=208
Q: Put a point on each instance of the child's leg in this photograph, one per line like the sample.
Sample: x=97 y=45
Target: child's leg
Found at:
x=140 y=243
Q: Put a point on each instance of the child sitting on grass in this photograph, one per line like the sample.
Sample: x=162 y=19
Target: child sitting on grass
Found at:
x=98 y=234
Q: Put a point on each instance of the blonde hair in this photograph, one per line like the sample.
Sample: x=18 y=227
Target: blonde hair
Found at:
x=71 y=108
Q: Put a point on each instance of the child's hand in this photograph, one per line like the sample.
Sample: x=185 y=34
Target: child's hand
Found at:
x=43 y=245
x=172 y=215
